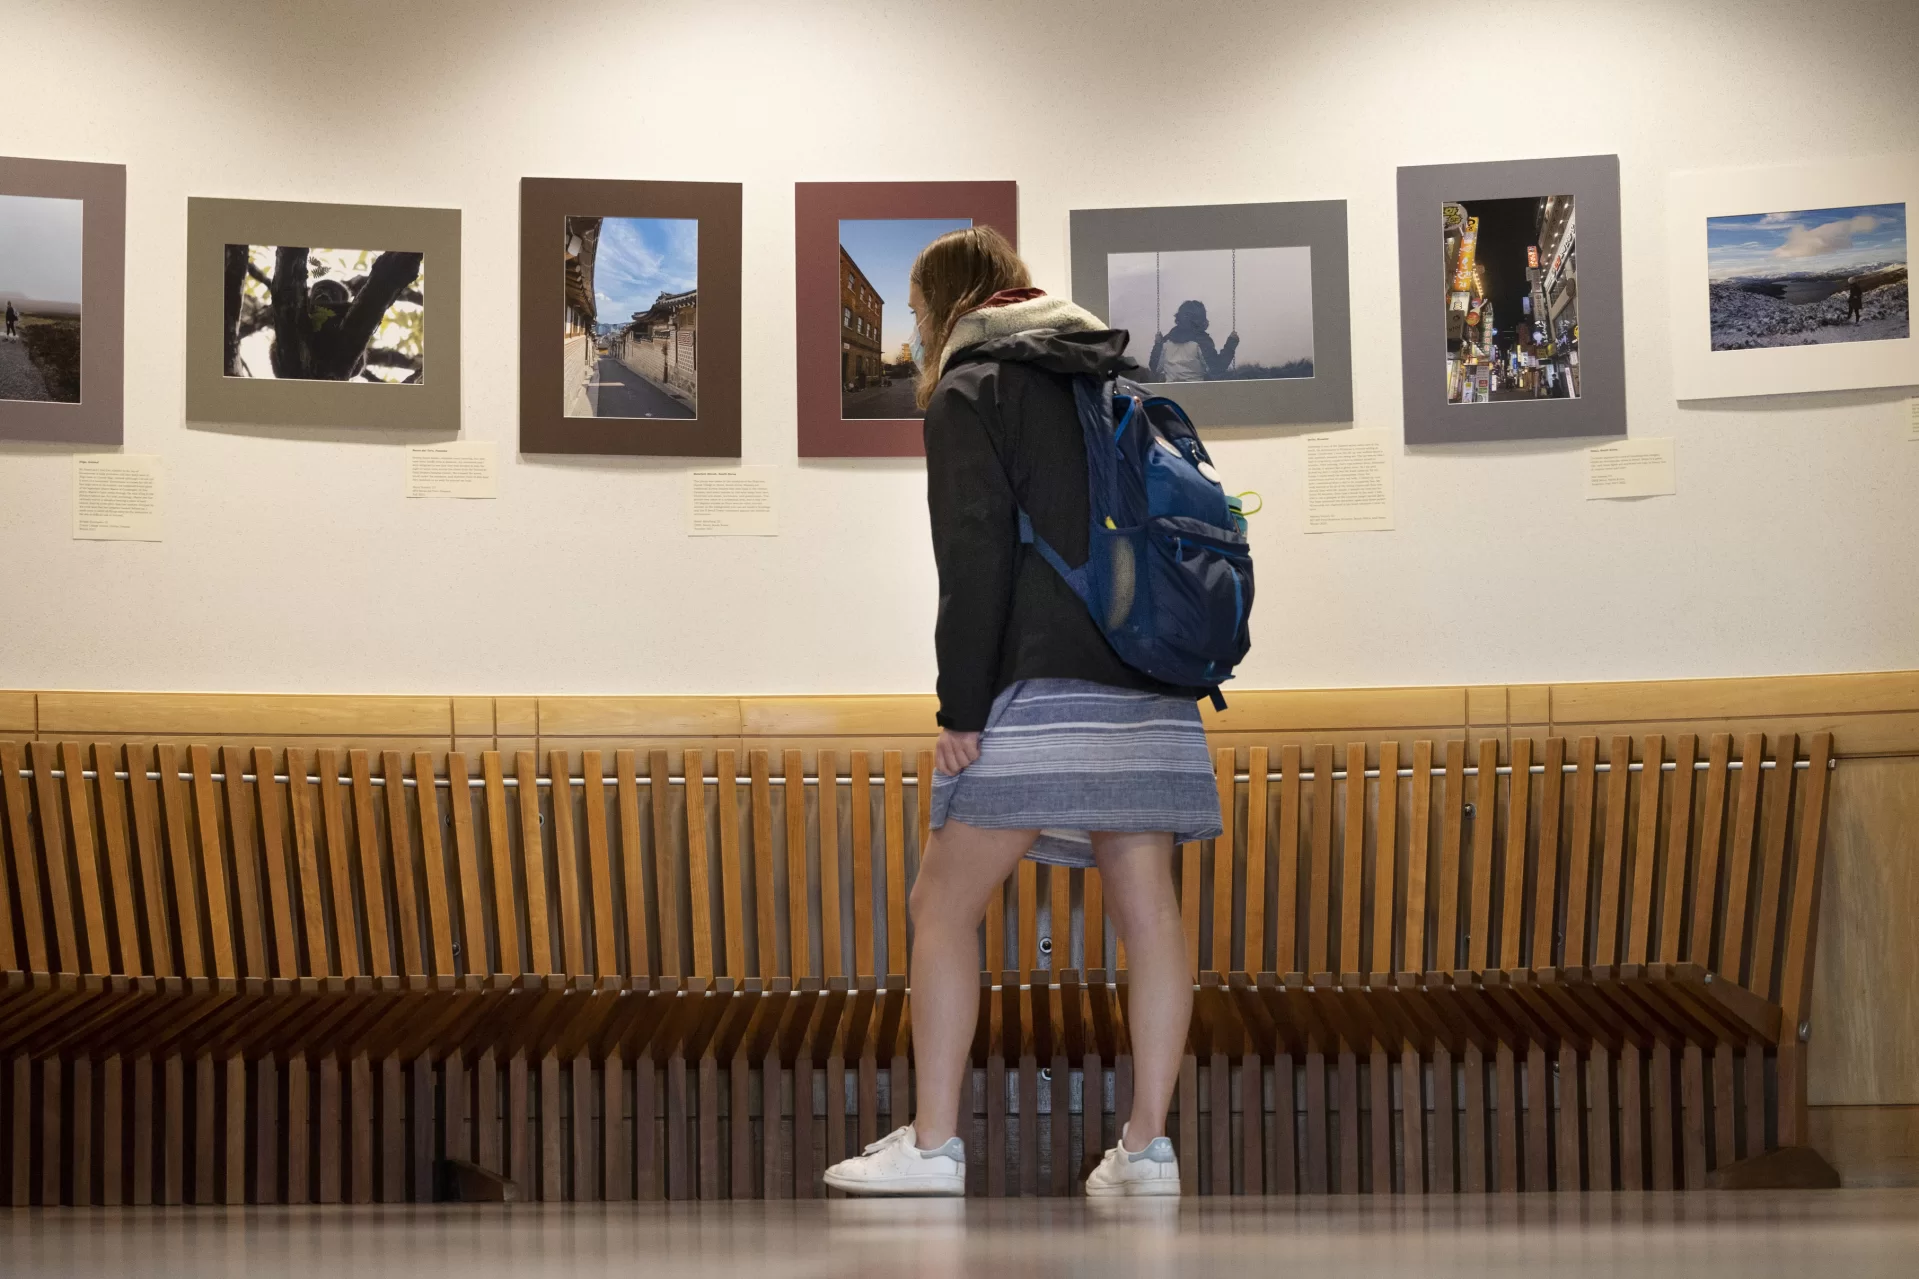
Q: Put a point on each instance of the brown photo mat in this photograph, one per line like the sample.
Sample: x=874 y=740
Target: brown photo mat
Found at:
x=99 y=416
x=432 y=405
x=545 y=204
x=818 y=210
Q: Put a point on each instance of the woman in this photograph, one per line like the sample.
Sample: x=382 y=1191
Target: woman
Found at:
x=1187 y=354
x=1050 y=747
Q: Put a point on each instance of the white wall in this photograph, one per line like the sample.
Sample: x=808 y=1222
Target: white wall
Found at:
x=292 y=563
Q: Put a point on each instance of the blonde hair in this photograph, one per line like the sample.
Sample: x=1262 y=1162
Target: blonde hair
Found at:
x=957 y=273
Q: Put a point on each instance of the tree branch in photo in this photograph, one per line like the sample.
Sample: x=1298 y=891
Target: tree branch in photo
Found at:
x=291 y=355
x=236 y=274
x=339 y=350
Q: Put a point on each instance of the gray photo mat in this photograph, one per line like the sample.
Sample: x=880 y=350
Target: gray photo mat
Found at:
x=1593 y=182
x=100 y=416
x=1324 y=398
x=212 y=397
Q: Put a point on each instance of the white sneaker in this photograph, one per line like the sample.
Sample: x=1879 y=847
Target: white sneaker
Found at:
x=1136 y=1173
x=895 y=1165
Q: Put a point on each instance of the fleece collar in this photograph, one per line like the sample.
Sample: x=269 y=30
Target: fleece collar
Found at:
x=1017 y=311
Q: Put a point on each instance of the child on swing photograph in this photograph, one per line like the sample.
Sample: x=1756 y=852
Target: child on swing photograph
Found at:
x=1261 y=300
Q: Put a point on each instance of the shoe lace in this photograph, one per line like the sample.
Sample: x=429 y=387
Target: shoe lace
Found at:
x=890 y=1139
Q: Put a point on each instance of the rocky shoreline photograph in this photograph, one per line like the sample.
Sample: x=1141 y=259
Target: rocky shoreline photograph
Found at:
x=1809 y=277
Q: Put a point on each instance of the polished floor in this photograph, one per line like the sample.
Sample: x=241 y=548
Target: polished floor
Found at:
x=1842 y=1234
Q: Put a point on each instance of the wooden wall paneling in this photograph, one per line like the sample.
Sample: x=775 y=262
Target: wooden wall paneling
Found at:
x=240 y=819
x=433 y=866
x=55 y=871
x=539 y=920
x=599 y=863
x=633 y=878
x=372 y=867
x=566 y=866
x=507 y=957
x=116 y=833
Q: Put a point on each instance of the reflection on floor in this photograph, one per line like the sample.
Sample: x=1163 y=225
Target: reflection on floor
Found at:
x=1849 y=1234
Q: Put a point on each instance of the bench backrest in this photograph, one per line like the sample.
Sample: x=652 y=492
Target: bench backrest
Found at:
x=183 y=861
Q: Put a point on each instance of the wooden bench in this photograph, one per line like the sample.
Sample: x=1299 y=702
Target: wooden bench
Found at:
x=275 y=975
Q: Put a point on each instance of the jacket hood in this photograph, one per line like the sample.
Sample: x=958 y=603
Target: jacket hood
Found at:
x=1032 y=328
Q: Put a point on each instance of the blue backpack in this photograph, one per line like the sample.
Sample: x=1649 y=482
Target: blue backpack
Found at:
x=1168 y=575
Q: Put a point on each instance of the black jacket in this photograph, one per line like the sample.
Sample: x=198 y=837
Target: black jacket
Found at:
x=1002 y=433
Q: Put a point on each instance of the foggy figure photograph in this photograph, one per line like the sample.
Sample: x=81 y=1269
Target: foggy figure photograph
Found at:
x=325 y=315
x=877 y=368
x=1808 y=277
x=40 y=252
x=1205 y=315
x=631 y=330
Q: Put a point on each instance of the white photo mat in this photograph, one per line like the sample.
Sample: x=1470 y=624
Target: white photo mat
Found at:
x=1701 y=373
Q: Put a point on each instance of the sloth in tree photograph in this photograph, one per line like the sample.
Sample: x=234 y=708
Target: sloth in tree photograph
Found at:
x=327 y=315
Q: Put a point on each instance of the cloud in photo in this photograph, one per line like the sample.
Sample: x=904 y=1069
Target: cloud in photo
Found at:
x=641 y=258
x=40 y=247
x=1830 y=241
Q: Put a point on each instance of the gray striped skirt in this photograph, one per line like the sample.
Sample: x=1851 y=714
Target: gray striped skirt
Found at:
x=1066 y=757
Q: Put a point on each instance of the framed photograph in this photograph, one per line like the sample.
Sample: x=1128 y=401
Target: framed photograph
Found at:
x=63 y=267
x=323 y=315
x=855 y=243
x=1241 y=310
x=1792 y=279
x=630 y=317
x=1510 y=313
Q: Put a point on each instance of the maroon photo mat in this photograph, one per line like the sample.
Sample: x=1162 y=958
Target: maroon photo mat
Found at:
x=818 y=208
x=545 y=203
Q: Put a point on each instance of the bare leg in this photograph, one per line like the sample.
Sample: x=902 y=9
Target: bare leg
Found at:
x=957 y=875
x=1137 y=872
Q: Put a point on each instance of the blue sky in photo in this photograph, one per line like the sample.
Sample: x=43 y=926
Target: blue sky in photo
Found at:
x=1805 y=241
x=639 y=259
x=884 y=249
x=40 y=247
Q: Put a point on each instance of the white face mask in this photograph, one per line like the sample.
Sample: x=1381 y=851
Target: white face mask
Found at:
x=918 y=347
